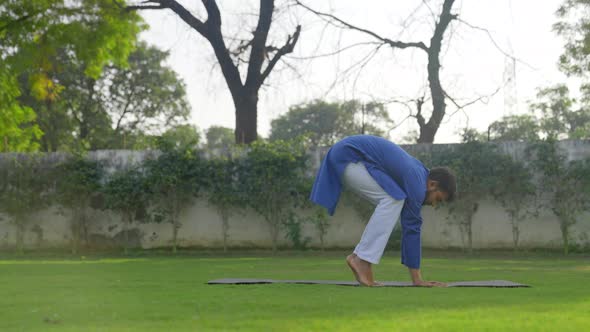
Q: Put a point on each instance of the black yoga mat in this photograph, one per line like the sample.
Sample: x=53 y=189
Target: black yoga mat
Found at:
x=484 y=283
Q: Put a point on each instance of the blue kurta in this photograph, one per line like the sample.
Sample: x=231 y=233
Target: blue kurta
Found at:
x=399 y=174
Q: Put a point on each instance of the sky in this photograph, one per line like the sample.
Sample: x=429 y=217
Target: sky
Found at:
x=478 y=53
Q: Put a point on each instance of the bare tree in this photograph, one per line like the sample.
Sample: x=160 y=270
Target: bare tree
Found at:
x=428 y=127
x=262 y=59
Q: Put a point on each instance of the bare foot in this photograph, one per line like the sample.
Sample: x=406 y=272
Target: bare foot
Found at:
x=348 y=261
x=361 y=269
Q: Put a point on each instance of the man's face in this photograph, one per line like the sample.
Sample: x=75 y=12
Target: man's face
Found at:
x=434 y=195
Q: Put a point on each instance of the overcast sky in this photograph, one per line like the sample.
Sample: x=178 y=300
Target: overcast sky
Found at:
x=474 y=66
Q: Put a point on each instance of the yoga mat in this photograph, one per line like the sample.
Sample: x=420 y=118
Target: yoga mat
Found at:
x=484 y=283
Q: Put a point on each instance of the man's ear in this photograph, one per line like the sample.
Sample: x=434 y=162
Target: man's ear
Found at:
x=432 y=184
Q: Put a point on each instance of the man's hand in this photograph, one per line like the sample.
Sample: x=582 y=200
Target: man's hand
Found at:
x=422 y=283
x=417 y=280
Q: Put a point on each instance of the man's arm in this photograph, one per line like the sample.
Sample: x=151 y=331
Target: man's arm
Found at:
x=411 y=221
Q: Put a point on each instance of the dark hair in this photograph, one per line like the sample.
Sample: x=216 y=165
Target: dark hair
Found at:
x=446 y=179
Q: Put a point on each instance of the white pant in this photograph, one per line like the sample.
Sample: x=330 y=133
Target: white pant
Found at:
x=387 y=212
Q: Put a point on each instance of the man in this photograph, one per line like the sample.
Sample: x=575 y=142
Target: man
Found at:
x=397 y=183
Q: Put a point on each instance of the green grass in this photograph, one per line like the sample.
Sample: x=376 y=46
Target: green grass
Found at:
x=153 y=292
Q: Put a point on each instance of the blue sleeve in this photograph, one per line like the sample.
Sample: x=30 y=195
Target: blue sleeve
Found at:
x=411 y=221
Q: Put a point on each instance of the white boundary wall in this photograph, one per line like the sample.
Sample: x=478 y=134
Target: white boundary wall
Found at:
x=201 y=226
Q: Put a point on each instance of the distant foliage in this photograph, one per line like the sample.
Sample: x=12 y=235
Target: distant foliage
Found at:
x=477 y=172
x=78 y=181
x=515 y=190
x=173 y=180
x=222 y=190
x=322 y=123
x=574 y=27
x=126 y=193
x=95 y=32
x=25 y=188
x=270 y=180
x=564 y=185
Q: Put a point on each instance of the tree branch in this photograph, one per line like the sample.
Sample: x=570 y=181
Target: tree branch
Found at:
x=287 y=48
x=419 y=117
x=125 y=111
x=469 y=103
x=399 y=124
x=18 y=20
x=130 y=8
x=392 y=43
x=182 y=12
x=333 y=53
x=489 y=34
x=214 y=16
x=211 y=30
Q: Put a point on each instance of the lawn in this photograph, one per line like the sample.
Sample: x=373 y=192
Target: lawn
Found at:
x=155 y=292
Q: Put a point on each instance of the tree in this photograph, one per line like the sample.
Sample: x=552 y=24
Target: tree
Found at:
x=17 y=131
x=558 y=117
x=319 y=218
x=428 y=128
x=219 y=138
x=78 y=181
x=476 y=175
x=574 y=26
x=564 y=185
x=111 y=111
x=471 y=135
x=222 y=190
x=126 y=193
x=244 y=93
x=181 y=138
x=32 y=32
x=146 y=95
x=514 y=128
x=319 y=121
x=323 y=123
x=173 y=182
x=24 y=190
x=270 y=180
x=515 y=191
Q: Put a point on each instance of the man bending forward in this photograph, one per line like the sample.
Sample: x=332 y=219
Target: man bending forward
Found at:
x=397 y=183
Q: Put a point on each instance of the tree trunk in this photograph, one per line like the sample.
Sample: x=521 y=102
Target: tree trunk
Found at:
x=275 y=237
x=50 y=139
x=515 y=234
x=175 y=224
x=225 y=229
x=126 y=223
x=84 y=229
x=470 y=236
x=565 y=236
x=427 y=133
x=20 y=234
x=274 y=230
x=246 y=104
x=428 y=129
x=75 y=229
x=175 y=228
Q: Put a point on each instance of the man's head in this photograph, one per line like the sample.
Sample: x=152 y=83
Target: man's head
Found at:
x=441 y=186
